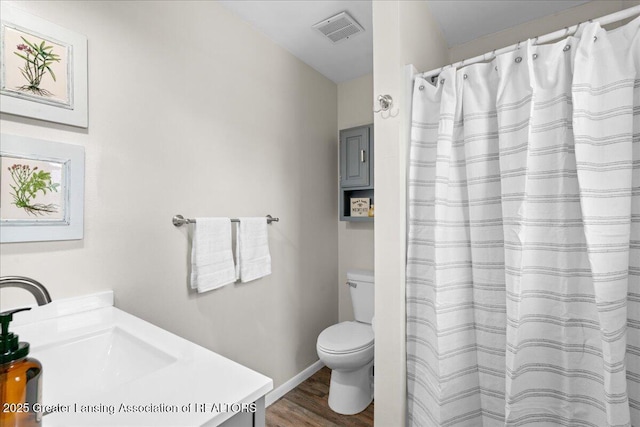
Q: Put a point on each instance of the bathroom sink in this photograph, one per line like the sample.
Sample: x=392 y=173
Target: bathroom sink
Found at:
x=95 y=363
x=104 y=367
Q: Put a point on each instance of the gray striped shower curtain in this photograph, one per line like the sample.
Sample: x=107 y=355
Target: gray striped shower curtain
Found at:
x=523 y=263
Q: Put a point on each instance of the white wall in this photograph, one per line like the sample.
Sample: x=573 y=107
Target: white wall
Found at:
x=192 y=111
x=355 y=239
x=404 y=33
x=538 y=27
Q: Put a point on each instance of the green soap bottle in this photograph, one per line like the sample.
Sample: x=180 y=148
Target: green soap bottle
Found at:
x=20 y=379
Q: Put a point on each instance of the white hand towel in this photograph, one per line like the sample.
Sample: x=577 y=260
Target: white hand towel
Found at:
x=253 y=260
x=211 y=254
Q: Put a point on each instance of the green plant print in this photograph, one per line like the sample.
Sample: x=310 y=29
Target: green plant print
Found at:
x=37 y=63
x=27 y=182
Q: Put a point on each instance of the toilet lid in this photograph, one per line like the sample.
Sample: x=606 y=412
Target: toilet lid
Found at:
x=346 y=337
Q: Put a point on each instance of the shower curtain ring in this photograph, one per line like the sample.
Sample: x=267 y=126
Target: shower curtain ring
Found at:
x=580 y=25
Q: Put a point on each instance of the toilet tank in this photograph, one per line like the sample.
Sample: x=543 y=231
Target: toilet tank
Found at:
x=362 y=294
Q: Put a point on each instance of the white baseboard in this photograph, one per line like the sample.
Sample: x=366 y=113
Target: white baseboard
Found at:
x=292 y=383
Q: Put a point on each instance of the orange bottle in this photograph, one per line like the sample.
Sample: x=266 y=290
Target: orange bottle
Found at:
x=20 y=379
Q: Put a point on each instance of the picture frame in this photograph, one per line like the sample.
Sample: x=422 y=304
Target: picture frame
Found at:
x=360 y=206
x=43 y=69
x=41 y=190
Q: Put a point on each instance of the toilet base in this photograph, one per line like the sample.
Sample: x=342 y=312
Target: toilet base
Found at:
x=351 y=392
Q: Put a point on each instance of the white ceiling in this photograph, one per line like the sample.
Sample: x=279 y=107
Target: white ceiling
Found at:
x=288 y=23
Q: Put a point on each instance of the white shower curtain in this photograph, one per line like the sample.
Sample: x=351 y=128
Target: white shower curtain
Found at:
x=523 y=269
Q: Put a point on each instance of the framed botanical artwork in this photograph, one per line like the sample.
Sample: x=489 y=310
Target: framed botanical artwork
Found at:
x=43 y=69
x=41 y=190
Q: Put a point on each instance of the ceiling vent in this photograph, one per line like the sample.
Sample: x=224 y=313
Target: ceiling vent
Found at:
x=339 y=28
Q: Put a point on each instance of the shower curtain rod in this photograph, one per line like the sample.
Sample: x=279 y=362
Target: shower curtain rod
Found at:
x=608 y=19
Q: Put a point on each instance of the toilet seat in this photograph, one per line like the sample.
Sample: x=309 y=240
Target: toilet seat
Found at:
x=345 y=338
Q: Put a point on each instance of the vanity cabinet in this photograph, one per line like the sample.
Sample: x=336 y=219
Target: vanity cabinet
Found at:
x=356 y=169
x=135 y=358
x=248 y=419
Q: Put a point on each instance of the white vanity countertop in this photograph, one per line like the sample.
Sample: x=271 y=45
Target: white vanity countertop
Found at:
x=205 y=387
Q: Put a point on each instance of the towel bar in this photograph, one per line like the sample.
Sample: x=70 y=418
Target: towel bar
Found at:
x=179 y=220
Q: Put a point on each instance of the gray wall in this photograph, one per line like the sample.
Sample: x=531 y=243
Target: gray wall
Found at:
x=355 y=239
x=192 y=111
x=404 y=33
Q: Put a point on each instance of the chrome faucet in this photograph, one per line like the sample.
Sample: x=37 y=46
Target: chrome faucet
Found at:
x=36 y=288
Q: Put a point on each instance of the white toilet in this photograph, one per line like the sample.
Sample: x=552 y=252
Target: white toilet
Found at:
x=347 y=349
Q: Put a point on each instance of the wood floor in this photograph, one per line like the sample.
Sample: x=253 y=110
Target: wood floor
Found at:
x=306 y=406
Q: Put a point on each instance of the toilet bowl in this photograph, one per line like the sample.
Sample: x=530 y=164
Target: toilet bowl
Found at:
x=347 y=348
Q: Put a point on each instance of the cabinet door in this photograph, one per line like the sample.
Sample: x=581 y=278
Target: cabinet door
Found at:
x=354 y=157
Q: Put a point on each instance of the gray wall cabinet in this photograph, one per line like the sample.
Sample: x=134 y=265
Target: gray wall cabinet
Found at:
x=356 y=168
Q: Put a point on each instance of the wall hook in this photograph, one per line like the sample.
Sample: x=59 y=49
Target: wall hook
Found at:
x=386 y=104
